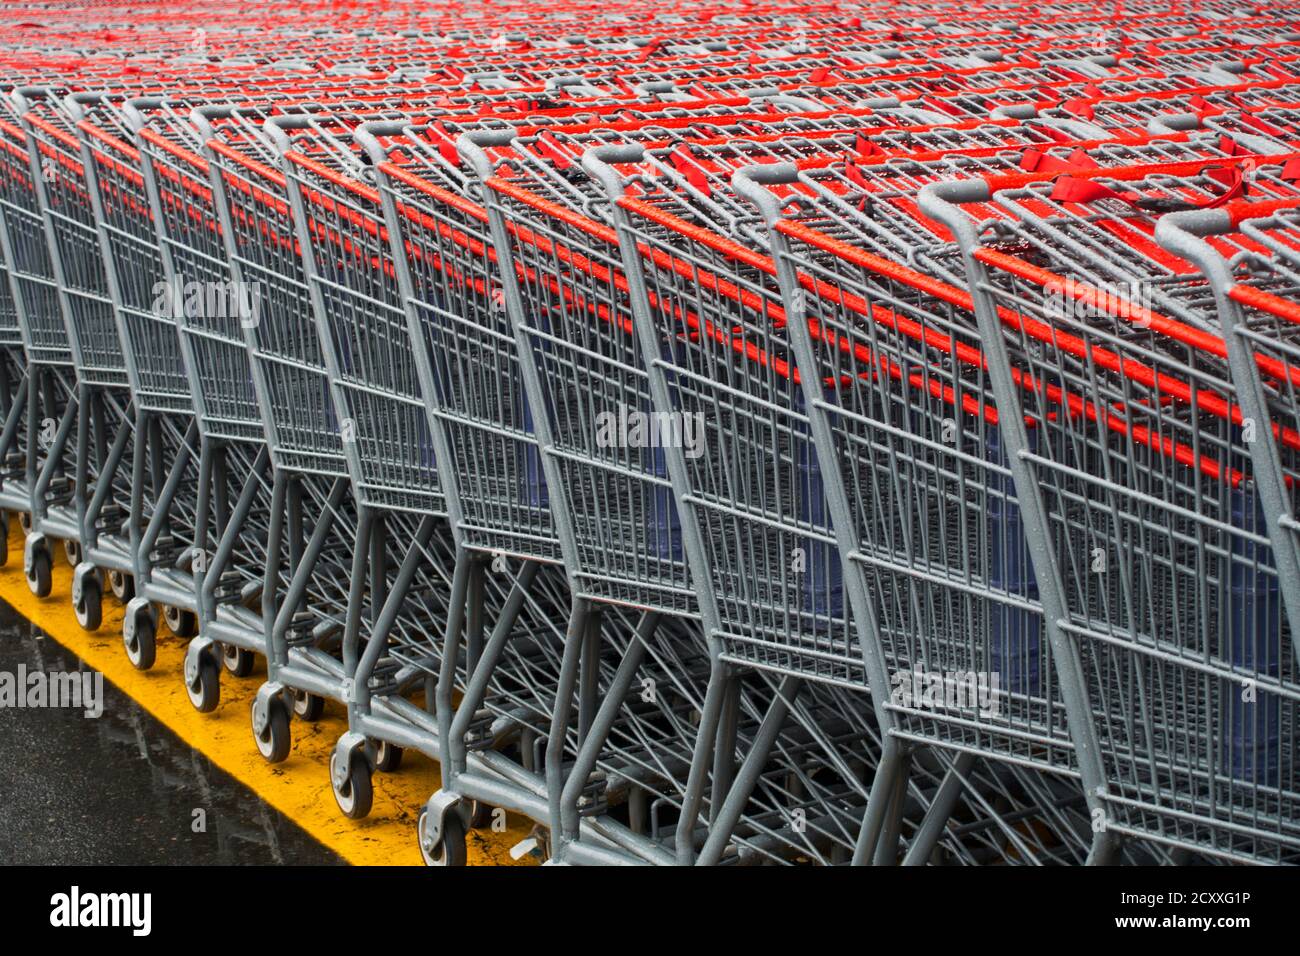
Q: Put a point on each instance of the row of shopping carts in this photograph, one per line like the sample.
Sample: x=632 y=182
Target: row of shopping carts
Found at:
x=822 y=435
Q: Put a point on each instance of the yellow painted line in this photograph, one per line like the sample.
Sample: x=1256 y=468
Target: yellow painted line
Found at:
x=299 y=787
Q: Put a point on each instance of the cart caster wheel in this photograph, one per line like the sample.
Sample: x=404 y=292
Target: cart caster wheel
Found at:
x=308 y=707
x=122 y=585
x=273 y=742
x=4 y=541
x=90 y=609
x=39 y=574
x=25 y=521
x=356 y=793
x=180 y=622
x=451 y=850
x=476 y=814
x=238 y=660
x=140 y=636
x=72 y=551
x=205 y=691
x=388 y=757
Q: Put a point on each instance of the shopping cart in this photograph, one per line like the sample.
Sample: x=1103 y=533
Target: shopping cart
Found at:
x=312 y=531
x=512 y=678
x=87 y=499
x=298 y=415
x=30 y=287
x=67 y=487
x=232 y=444
x=387 y=446
x=392 y=477
x=1269 y=130
x=231 y=512
x=159 y=401
x=1138 y=489
x=176 y=493
x=328 y=593
x=321 y=184
x=1153 y=112
x=425 y=204
x=566 y=262
x=80 y=493
x=867 y=212
x=573 y=331
x=680 y=250
x=194 y=483
x=225 y=400
x=853 y=180
x=1243 y=252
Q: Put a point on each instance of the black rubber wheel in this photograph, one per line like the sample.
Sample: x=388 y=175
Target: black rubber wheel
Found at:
x=273 y=744
x=122 y=585
x=388 y=757
x=90 y=612
x=72 y=551
x=238 y=660
x=39 y=576
x=476 y=814
x=142 y=649
x=357 y=794
x=451 y=851
x=308 y=707
x=180 y=622
x=205 y=693
x=25 y=522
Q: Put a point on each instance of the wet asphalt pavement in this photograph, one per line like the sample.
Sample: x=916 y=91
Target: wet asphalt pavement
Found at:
x=122 y=788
